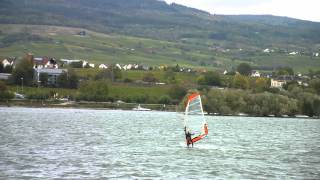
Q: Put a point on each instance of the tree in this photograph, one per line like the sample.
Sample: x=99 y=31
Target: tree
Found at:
x=127 y=80
x=62 y=80
x=290 y=85
x=234 y=99
x=261 y=84
x=68 y=80
x=213 y=101
x=176 y=68
x=315 y=84
x=86 y=66
x=1 y=68
x=111 y=73
x=306 y=101
x=316 y=107
x=115 y=73
x=231 y=73
x=3 y=86
x=244 y=69
x=38 y=94
x=170 y=76
x=4 y=92
x=104 y=74
x=165 y=99
x=177 y=92
x=93 y=91
x=149 y=77
x=8 y=69
x=285 y=71
x=76 y=64
x=240 y=81
x=73 y=80
x=23 y=73
x=210 y=78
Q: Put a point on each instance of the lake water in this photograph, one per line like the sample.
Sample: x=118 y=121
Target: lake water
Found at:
x=105 y=144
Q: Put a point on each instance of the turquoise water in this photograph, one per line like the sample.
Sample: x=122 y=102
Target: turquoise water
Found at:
x=94 y=144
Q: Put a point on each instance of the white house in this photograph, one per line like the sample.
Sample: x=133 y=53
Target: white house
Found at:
x=293 y=53
x=277 y=83
x=280 y=81
x=39 y=63
x=7 y=62
x=103 y=66
x=118 y=66
x=266 y=50
x=84 y=63
x=69 y=61
x=44 y=62
x=255 y=74
x=129 y=66
x=125 y=67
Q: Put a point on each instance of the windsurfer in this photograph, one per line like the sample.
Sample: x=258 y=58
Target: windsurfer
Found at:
x=188 y=137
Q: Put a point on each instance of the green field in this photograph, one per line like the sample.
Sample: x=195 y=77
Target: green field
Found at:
x=136 y=75
x=62 y=42
x=118 y=91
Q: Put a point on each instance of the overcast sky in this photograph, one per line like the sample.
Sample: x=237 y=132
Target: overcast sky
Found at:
x=301 y=9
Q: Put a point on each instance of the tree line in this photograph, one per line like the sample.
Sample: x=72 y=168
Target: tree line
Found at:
x=233 y=102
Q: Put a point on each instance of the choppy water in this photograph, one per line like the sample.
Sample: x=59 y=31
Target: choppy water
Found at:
x=97 y=144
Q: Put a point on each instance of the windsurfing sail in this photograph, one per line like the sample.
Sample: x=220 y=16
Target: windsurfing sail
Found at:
x=194 y=120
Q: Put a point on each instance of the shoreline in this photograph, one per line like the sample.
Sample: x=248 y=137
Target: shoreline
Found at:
x=116 y=106
x=85 y=105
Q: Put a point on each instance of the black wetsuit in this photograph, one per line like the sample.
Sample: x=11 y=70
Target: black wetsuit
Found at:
x=188 y=138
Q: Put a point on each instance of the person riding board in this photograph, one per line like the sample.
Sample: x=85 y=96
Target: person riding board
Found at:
x=188 y=137
x=190 y=140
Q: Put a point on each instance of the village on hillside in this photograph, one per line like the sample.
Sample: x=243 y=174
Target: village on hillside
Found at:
x=55 y=67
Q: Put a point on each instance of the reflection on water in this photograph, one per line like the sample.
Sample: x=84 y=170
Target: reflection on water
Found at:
x=87 y=144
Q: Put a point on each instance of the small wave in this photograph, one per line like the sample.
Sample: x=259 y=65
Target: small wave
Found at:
x=206 y=146
x=201 y=146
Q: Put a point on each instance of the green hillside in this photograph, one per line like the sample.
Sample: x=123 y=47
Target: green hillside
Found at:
x=158 y=20
x=63 y=42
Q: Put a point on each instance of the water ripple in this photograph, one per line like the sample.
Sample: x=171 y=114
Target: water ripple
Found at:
x=100 y=144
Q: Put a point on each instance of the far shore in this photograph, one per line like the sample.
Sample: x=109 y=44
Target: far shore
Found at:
x=85 y=105
x=115 y=106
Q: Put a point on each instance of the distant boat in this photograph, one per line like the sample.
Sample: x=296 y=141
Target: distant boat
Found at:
x=139 y=108
x=301 y=116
